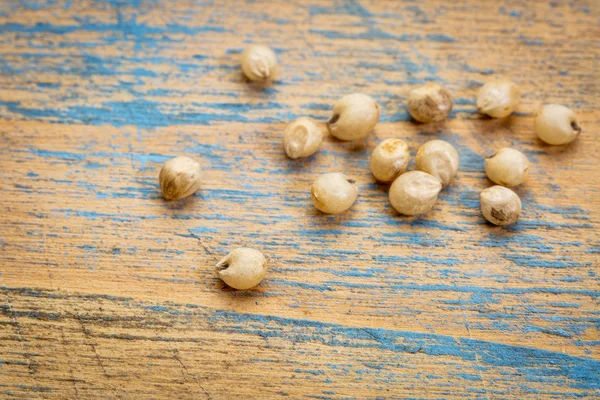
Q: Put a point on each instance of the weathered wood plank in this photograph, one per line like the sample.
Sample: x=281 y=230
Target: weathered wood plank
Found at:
x=109 y=292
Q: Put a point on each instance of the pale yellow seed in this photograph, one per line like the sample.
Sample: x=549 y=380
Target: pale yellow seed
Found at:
x=556 y=124
x=243 y=268
x=508 y=167
x=498 y=98
x=414 y=192
x=179 y=178
x=500 y=206
x=302 y=138
x=389 y=159
x=440 y=159
x=429 y=103
x=353 y=117
x=333 y=193
x=258 y=62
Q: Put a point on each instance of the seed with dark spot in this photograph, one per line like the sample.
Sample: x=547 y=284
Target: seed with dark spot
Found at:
x=500 y=206
x=499 y=214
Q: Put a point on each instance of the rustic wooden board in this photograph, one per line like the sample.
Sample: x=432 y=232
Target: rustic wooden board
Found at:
x=109 y=292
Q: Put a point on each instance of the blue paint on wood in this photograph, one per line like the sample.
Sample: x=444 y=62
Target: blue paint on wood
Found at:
x=575 y=372
x=536 y=261
x=441 y=38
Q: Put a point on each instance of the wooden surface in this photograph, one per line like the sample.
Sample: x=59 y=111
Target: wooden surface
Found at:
x=109 y=292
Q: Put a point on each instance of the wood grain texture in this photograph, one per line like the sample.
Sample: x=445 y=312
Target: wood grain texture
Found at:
x=107 y=291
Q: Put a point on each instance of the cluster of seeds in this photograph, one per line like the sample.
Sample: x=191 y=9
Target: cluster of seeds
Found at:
x=411 y=193
x=354 y=117
x=416 y=192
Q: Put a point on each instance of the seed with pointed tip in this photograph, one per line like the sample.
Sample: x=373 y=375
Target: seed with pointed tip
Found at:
x=353 y=117
x=508 y=167
x=556 y=124
x=243 y=268
x=333 y=193
x=498 y=98
x=179 y=178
